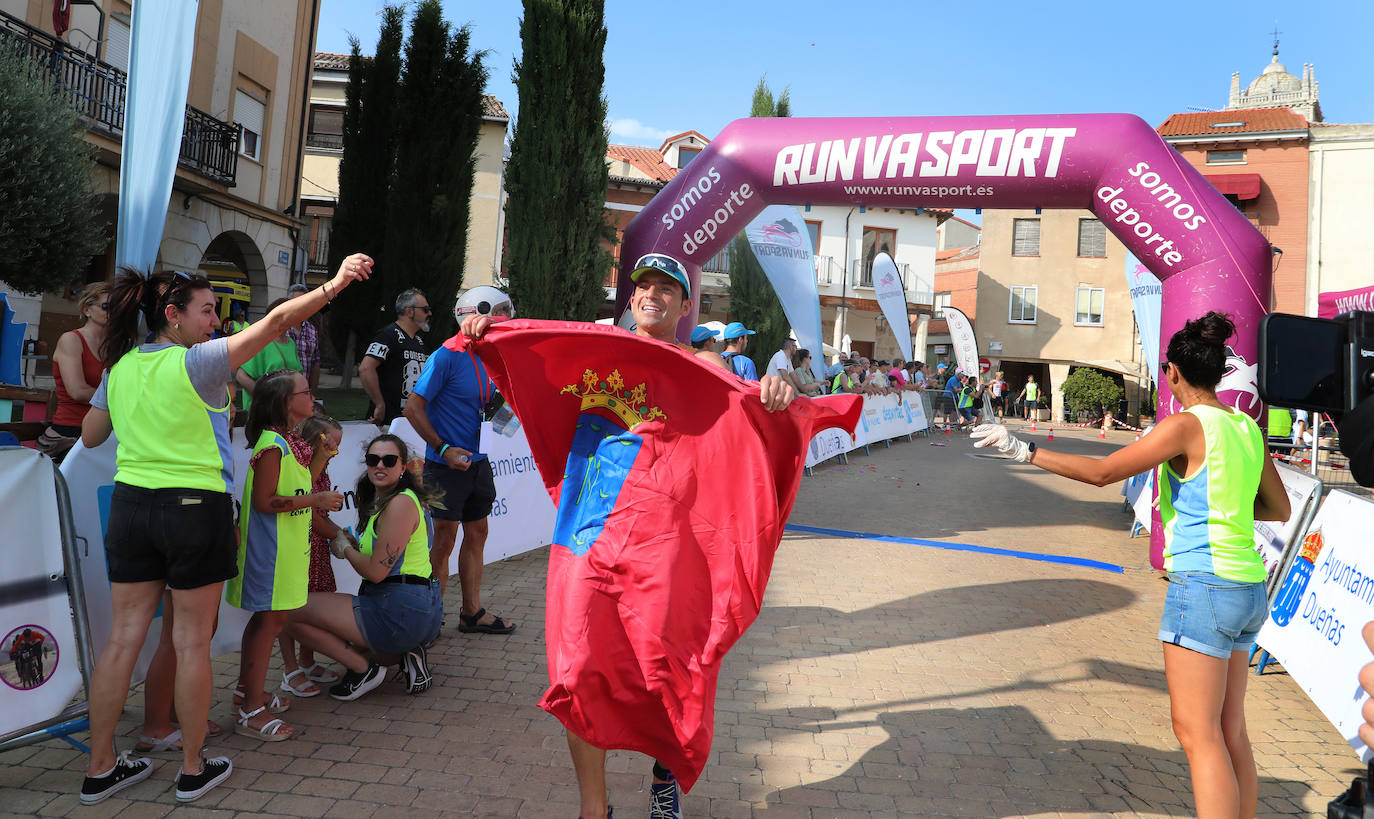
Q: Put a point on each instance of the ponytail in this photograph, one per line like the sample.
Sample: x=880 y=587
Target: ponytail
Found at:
x=134 y=296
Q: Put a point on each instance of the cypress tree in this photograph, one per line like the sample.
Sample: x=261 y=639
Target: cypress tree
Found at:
x=365 y=171
x=438 y=123
x=752 y=298
x=556 y=178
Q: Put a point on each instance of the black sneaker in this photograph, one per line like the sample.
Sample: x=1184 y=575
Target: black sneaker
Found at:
x=664 y=802
x=128 y=770
x=191 y=787
x=357 y=683
x=415 y=667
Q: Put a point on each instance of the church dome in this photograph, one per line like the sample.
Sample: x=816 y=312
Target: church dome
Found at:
x=1274 y=79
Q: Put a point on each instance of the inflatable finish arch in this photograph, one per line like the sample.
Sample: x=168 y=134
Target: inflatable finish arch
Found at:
x=1206 y=253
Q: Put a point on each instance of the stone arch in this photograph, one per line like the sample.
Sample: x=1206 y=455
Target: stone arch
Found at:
x=236 y=248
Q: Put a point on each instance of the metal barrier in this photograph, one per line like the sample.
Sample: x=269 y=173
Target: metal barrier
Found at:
x=42 y=729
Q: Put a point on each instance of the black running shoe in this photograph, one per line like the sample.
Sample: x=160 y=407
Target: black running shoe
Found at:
x=213 y=771
x=357 y=683
x=128 y=770
x=415 y=666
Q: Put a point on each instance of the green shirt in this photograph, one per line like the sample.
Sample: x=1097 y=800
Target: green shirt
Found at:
x=279 y=355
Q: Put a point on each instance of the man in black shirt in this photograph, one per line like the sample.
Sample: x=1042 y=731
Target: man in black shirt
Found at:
x=394 y=359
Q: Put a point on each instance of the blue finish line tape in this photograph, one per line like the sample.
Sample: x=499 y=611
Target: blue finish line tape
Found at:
x=961 y=547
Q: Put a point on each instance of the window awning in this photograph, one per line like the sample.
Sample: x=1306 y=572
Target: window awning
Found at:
x=1240 y=185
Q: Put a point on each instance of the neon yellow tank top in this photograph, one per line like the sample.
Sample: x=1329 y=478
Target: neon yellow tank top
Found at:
x=274 y=549
x=169 y=438
x=1209 y=518
x=416 y=560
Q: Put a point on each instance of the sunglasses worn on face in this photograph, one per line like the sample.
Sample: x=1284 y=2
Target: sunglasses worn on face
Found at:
x=387 y=461
x=427 y=309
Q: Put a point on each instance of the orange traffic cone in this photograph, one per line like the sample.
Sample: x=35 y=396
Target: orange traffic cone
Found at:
x=1032 y=423
x=1102 y=433
x=1051 y=433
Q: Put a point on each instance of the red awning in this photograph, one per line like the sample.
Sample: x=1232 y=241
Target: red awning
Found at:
x=1240 y=185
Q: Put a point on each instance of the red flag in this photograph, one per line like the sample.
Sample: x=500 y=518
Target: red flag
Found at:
x=61 y=16
x=672 y=484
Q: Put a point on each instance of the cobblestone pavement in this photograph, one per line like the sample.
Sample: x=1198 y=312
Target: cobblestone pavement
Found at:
x=881 y=679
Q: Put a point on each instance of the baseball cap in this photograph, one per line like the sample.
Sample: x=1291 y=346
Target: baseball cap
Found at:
x=735 y=329
x=663 y=264
x=700 y=333
x=941 y=366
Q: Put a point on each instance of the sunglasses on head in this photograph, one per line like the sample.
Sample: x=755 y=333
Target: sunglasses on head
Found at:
x=387 y=461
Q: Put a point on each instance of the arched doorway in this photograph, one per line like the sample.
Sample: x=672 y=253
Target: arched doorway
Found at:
x=233 y=257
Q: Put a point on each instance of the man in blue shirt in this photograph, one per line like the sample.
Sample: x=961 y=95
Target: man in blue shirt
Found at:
x=736 y=342
x=445 y=407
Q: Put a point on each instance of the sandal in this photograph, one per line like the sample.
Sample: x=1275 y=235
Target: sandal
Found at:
x=157 y=745
x=320 y=673
x=304 y=688
x=274 y=730
x=275 y=705
x=468 y=623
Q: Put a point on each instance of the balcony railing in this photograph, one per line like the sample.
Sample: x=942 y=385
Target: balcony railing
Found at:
x=333 y=142
x=319 y=255
x=97 y=91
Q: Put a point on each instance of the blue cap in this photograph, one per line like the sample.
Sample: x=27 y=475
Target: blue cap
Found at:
x=700 y=333
x=735 y=329
x=663 y=264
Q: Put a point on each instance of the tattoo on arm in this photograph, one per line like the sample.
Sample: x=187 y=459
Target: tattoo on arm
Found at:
x=281 y=504
x=392 y=555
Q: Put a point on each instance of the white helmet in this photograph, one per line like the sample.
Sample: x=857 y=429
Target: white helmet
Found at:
x=483 y=300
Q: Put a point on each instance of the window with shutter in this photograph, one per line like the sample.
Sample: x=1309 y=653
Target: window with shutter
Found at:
x=249 y=113
x=1025 y=237
x=117 y=40
x=326 y=127
x=1092 y=238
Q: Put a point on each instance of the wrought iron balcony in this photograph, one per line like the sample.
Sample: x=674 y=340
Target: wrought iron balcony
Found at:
x=97 y=91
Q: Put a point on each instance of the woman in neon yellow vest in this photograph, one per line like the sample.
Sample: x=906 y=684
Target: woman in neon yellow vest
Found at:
x=398 y=607
x=274 y=539
x=171 y=517
x=1215 y=480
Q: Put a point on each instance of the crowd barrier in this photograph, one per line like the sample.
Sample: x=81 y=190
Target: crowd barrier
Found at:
x=884 y=418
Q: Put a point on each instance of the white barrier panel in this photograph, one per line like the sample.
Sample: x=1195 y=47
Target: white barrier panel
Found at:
x=827 y=444
x=883 y=418
x=1139 y=490
x=522 y=519
x=1324 y=600
x=39 y=663
x=1272 y=537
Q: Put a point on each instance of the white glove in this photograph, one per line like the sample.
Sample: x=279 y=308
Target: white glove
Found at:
x=342 y=541
x=996 y=435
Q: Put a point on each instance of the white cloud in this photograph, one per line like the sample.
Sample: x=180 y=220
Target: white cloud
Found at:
x=634 y=131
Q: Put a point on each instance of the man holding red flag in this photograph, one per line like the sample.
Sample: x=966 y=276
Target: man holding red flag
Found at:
x=654 y=574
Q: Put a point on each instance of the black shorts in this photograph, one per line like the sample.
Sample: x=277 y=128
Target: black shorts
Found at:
x=182 y=536
x=467 y=493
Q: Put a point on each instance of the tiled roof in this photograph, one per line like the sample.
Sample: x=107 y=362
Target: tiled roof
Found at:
x=675 y=137
x=957 y=253
x=1239 y=121
x=645 y=159
x=493 y=109
x=331 y=62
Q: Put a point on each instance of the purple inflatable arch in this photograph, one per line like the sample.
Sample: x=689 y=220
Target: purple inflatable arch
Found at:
x=1207 y=254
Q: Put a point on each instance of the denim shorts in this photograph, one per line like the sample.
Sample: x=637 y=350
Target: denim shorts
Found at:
x=396 y=617
x=1212 y=615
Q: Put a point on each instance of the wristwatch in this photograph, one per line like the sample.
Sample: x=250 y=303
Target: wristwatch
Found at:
x=1030 y=451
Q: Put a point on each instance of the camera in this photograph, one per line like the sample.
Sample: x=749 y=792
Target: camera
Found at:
x=1314 y=363
x=1325 y=365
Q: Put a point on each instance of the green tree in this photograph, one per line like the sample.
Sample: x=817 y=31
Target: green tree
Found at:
x=556 y=178
x=753 y=300
x=1090 y=390
x=365 y=172
x=50 y=222
x=438 y=122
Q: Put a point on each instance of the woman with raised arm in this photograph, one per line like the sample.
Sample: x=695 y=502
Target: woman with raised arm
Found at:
x=171 y=514
x=1215 y=480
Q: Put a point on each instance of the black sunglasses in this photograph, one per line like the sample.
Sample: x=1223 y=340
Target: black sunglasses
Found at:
x=387 y=461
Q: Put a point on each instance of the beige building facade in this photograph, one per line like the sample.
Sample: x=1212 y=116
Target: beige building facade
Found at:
x=1051 y=295
x=235 y=189
x=320 y=176
x=1340 y=244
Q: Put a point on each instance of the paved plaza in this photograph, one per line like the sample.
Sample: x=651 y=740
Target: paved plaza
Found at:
x=881 y=679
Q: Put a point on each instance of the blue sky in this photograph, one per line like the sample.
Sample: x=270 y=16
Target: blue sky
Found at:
x=674 y=67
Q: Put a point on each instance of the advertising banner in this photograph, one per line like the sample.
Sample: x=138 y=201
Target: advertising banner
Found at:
x=781 y=243
x=1323 y=601
x=159 y=73
x=964 y=341
x=1333 y=303
x=891 y=295
x=1147 y=300
x=40 y=672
